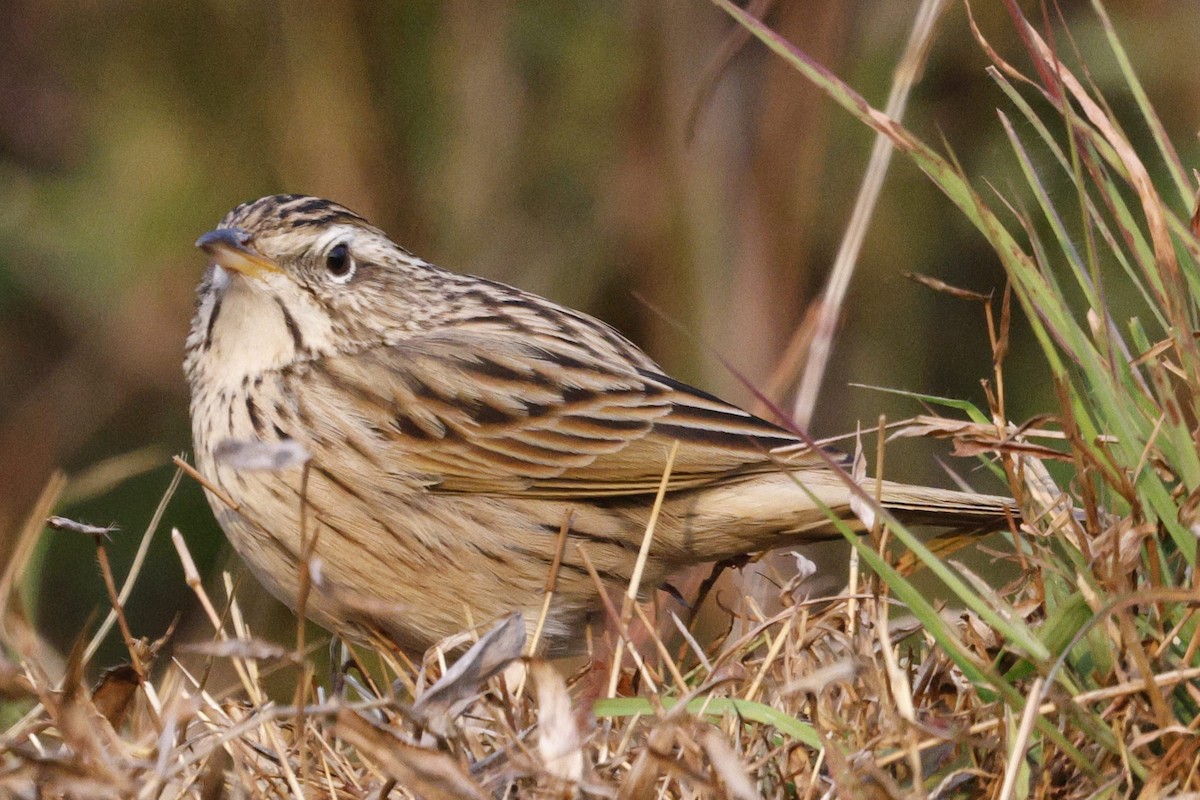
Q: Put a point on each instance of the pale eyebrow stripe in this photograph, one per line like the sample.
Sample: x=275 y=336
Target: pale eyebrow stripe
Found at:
x=330 y=237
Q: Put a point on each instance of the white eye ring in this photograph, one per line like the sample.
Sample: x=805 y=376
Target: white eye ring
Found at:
x=340 y=265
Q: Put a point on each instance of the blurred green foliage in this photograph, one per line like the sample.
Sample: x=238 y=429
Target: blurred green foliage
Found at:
x=543 y=144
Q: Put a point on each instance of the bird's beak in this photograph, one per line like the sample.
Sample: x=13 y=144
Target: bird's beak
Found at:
x=231 y=248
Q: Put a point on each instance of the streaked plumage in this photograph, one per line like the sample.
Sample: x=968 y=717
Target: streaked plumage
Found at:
x=453 y=424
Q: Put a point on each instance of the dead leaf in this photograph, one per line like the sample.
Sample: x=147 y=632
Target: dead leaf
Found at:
x=797 y=587
x=945 y=288
x=728 y=767
x=71 y=526
x=973 y=447
x=253 y=649
x=840 y=671
x=559 y=741
x=114 y=692
x=942 y=546
x=13 y=683
x=441 y=703
x=255 y=456
x=426 y=773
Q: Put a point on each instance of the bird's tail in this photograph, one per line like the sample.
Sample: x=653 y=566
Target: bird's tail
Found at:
x=947 y=508
x=781 y=509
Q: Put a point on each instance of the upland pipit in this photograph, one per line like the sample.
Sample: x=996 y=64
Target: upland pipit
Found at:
x=454 y=425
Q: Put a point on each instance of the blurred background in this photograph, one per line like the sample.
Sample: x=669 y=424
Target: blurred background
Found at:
x=635 y=159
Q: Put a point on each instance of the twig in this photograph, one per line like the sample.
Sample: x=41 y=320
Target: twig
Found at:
x=829 y=307
x=551 y=581
x=191 y=577
x=639 y=567
x=135 y=569
x=1016 y=753
x=665 y=654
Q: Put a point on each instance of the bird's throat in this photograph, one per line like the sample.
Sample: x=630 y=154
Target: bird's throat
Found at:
x=249 y=332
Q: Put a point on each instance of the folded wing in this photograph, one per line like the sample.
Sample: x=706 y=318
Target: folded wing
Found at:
x=472 y=413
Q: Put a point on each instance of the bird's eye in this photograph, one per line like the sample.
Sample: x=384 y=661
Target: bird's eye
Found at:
x=339 y=263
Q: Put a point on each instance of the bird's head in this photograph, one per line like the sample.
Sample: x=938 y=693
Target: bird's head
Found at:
x=293 y=277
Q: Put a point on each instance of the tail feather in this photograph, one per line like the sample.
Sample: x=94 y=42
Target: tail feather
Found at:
x=770 y=511
x=923 y=505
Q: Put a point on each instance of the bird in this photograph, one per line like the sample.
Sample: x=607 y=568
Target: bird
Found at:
x=454 y=429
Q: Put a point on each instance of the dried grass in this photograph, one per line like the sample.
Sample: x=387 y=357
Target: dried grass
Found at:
x=845 y=696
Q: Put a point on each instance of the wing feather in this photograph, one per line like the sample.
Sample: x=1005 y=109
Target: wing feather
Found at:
x=472 y=413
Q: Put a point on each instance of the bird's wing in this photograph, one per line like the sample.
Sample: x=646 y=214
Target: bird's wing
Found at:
x=500 y=415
